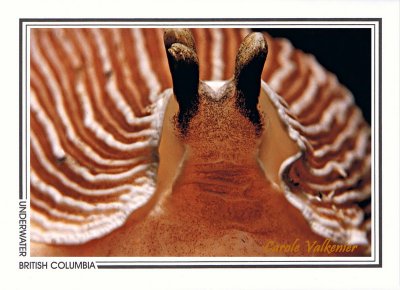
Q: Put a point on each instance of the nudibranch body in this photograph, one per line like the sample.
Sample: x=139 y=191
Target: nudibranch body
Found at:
x=122 y=164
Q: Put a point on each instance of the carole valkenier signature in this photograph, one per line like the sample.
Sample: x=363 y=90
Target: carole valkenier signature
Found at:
x=311 y=247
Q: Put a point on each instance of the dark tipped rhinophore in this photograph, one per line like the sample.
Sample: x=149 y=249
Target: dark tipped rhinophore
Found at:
x=248 y=69
x=184 y=67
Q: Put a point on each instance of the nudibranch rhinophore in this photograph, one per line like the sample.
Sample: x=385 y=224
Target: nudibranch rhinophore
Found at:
x=201 y=142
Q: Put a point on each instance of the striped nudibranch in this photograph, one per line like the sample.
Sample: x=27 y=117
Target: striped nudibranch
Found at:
x=98 y=101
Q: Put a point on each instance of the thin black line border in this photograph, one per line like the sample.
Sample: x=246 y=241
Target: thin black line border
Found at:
x=200 y=21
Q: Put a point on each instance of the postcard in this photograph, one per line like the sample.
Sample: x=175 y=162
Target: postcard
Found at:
x=228 y=142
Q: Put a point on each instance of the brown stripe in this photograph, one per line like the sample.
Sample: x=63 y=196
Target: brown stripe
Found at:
x=300 y=177
x=364 y=182
x=102 y=78
x=75 y=111
x=88 y=84
x=335 y=131
x=64 y=208
x=48 y=178
x=293 y=85
x=51 y=218
x=328 y=97
x=198 y=34
x=349 y=144
x=64 y=165
x=101 y=114
x=69 y=147
x=203 y=36
x=230 y=47
x=272 y=62
x=154 y=44
x=129 y=48
x=131 y=97
x=323 y=98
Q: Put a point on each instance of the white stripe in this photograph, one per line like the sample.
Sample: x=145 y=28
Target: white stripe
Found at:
x=317 y=79
x=71 y=53
x=349 y=131
x=122 y=105
x=69 y=48
x=335 y=111
x=96 y=87
x=142 y=56
x=217 y=54
x=350 y=156
x=307 y=97
x=51 y=133
x=318 y=71
x=285 y=68
x=101 y=133
x=347 y=182
x=112 y=87
x=62 y=233
x=123 y=64
x=64 y=200
x=325 y=227
x=84 y=172
x=89 y=121
x=353 y=195
x=352 y=216
x=56 y=213
x=56 y=94
x=102 y=49
x=327 y=211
